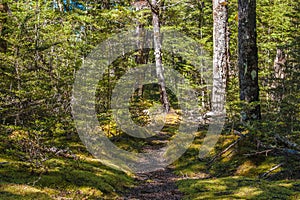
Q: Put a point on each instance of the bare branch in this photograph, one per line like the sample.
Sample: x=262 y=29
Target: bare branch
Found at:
x=259 y=152
x=174 y=4
x=272 y=169
x=226 y=149
x=154 y=8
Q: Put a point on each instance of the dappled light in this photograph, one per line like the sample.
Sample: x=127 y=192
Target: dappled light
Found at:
x=149 y=99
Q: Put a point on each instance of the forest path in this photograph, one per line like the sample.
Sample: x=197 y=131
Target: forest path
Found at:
x=155 y=185
x=158 y=184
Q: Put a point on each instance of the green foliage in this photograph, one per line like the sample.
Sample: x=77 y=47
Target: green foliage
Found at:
x=45 y=47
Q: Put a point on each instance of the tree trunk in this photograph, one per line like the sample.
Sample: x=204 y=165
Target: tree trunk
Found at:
x=158 y=56
x=277 y=84
x=204 y=100
x=279 y=64
x=105 y=4
x=220 y=57
x=3 y=11
x=143 y=54
x=248 y=59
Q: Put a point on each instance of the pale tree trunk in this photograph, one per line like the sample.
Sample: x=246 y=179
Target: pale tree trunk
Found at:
x=279 y=64
x=248 y=59
x=157 y=53
x=220 y=56
x=277 y=84
x=142 y=56
x=204 y=100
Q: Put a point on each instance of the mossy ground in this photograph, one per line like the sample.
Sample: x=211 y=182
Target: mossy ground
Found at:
x=233 y=175
x=239 y=187
x=58 y=177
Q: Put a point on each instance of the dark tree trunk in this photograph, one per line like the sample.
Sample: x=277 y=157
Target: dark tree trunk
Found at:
x=248 y=59
x=3 y=12
x=105 y=4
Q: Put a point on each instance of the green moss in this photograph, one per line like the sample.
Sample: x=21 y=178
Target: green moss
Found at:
x=26 y=192
x=237 y=187
x=81 y=178
x=234 y=175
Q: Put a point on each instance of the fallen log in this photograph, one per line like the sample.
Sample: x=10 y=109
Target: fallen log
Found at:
x=287 y=142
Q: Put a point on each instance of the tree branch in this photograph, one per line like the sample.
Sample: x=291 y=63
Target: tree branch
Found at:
x=272 y=169
x=226 y=149
x=154 y=8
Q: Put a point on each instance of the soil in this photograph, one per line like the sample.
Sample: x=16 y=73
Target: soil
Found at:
x=155 y=185
x=158 y=184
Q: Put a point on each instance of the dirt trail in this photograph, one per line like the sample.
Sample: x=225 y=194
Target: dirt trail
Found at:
x=155 y=185
x=159 y=184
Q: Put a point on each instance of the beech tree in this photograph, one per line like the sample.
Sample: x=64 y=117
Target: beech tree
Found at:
x=142 y=54
x=248 y=59
x=157 y=53
x=220 y=55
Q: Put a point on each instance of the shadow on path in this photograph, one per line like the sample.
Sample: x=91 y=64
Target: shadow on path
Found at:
x=155 y=185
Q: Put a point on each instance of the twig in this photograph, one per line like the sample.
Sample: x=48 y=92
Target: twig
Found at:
x=35 y=181
x=260 y=152
x=226 y=149
x=174 y=4
x=276 y=149
x=154 y=7
x=272 y=169
x=238 y=133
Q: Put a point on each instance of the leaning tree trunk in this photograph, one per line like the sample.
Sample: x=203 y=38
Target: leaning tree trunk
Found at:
x=221 y=55
x=157 y=53
x=248 y=59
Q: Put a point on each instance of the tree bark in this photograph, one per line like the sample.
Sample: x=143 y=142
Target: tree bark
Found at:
x=277 y=84
x=280 y=64
x=220 y=56
x=248 y=59
x=157 y=54
x=3 y=11
x=143 y=54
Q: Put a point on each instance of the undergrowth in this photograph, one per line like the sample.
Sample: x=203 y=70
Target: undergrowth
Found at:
x=248 y=162
x=257 y=166
x=45 y=171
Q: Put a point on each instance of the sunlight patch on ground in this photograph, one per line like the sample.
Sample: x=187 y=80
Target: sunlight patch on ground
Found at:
x=20 y=191
x=245 y=192
x=245 y=168
x=238 y=187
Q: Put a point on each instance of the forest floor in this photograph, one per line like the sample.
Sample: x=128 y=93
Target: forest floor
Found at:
x=61 y=168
